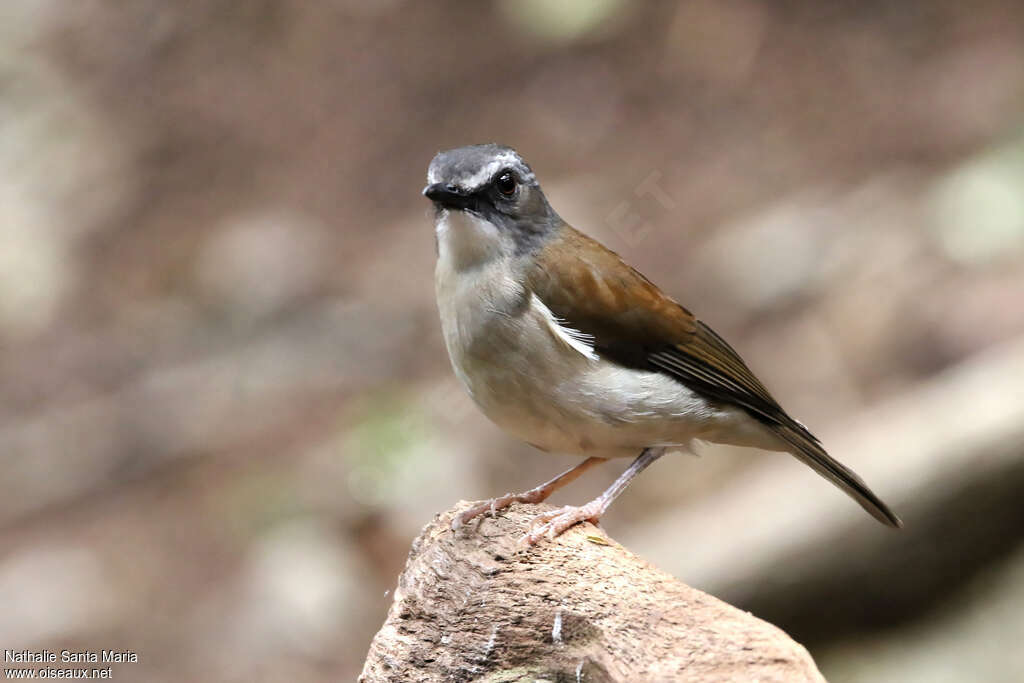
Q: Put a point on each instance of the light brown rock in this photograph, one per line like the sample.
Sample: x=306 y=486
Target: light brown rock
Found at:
x=472 y=605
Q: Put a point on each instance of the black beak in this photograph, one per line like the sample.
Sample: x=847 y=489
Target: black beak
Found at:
x=448 y=195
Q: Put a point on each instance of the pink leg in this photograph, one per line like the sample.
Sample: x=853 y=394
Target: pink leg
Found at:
x=534 y=495
x=555 y=522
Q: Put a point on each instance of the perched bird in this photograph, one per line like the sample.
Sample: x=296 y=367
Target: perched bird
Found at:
x=563 y=345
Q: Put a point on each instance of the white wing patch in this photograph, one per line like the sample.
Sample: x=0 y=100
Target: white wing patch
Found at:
x=574 y=339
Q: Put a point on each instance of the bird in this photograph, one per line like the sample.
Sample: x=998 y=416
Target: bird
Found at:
x=563 y=345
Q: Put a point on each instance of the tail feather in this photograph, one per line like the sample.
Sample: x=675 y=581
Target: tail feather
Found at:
x=809 y=451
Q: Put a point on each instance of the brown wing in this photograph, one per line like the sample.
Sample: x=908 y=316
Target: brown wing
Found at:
x=633 y=323
x=636 y=325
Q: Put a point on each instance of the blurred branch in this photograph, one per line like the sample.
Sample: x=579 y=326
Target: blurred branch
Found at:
x=473 y=605
x=946 y=455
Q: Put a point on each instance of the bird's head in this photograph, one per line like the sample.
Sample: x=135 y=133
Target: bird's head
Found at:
x=490 y=189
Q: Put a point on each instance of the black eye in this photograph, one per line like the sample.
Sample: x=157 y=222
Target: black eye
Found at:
x=506 y=184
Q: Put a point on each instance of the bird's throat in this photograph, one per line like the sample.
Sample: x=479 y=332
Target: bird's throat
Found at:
x=466 y=240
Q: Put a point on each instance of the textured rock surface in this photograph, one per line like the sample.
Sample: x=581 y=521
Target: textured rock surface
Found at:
x=473 y=605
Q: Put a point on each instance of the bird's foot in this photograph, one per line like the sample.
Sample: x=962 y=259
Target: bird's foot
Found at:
x=495 y=504
x=553 y=523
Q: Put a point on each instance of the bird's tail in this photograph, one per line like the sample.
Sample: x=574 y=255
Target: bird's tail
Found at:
x=810 y=451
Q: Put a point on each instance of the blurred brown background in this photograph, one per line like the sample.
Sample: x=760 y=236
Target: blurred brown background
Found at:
x=225 y=406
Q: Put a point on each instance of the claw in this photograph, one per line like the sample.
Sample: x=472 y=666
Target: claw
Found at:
x=492 y=506
x=554 y=522
x=465 y=516
x=537 y=494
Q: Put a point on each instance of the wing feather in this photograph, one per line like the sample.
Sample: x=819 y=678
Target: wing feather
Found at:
x=629 y=321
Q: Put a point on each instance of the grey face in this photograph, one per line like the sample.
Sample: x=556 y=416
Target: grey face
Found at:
x=494 y=183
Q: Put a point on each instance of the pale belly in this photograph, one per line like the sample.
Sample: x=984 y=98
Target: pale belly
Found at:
x=604 y=411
